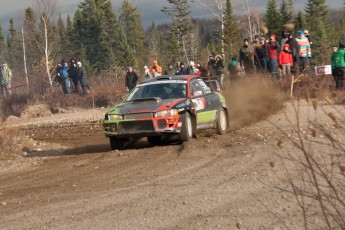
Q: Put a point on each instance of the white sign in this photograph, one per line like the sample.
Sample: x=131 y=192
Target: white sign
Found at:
x=323 y=70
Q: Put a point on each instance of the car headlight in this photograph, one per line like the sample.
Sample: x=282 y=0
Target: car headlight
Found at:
x=114 y=117
x=165 y=113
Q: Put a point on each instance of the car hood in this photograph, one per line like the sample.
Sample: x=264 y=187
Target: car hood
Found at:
x=146 y=106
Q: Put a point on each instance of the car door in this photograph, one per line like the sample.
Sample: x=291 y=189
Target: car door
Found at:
x=206 y=103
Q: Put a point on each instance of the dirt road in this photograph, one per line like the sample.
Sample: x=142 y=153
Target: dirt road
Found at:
x=212 y=182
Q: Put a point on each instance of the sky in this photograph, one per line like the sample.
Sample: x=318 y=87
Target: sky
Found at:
x=149 y=9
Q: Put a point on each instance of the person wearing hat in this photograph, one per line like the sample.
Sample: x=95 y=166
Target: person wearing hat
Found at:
x=147 y=74
x=156 y=70
x=304 y=50
x=285 y=60
x=247 y=57
x=338 y=63
x=307 y=35
x=293 y=47
x=73 y=73
x=273 y=47
x=6 y=80
x=192 y=68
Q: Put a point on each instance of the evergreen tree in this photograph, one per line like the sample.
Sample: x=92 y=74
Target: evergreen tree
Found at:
x=285 y=13
x=318 y=26
x=231 y=32
x=3 y=53
x=292 y=10
x=14 y=47
x=30 y=32
x=97 y=28
x=300 y=22
x=273 y=17
x=131 y=22
x=70 y=39
x=62 y=38
x=181 y=24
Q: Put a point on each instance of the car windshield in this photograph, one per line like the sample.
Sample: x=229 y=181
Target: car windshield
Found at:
x=162 y=89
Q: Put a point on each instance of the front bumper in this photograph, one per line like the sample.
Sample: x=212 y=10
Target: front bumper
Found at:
x=143 y=127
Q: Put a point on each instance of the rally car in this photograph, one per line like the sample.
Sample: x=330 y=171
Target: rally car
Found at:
x=179 y=105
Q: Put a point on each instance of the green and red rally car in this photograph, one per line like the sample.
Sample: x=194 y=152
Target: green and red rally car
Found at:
x=179 y=105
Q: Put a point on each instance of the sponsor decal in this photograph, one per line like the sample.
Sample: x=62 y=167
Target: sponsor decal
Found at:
x=199 y=103
x=179 y=125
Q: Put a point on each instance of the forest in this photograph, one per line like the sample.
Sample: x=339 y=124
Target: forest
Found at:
x=107 y=42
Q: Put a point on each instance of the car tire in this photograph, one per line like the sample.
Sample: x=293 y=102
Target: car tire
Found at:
x=154 y=140
x=117 y=143
x=187 y=128
x=222 y=122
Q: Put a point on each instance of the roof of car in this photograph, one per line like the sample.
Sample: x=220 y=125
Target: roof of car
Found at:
x=166 y=77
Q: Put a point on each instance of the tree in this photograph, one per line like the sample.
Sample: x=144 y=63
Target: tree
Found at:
x=300 y=23
x=181 y=24
x=285 y=13
x=131 y=22
x=231 y=36
x=153 y=43
x=3 y=53
x=273 y=17
x=46 y=37
x=97 y=28
x=13 y=46
x=62 y=37
x=318 y=25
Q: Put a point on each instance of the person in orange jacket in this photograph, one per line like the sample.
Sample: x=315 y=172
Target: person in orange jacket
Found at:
x=286 y=60
x=156 y=70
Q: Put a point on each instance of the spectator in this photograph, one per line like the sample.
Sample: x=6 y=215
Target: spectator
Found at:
x=304 y=51
x=6 y=80
x=170 y=71
x=219 y=69
x=73 y=74
x=183 y=70
x=293 y=46
x=65 y=80
x=192 y=68
x=273 y=48
x=211 y=66
x=234 y=68
x=307 y=35
x=285 y=60
x=82 y=77
x=338 y=61
x=147 y=74
x=178 y=67
x=335 y=49
x=202 y=69
x=156 y=70
x=283 y=40
x=261 y=52
x=247 y=57
x=130 y=79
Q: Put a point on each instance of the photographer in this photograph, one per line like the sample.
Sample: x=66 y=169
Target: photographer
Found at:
x=156 y=70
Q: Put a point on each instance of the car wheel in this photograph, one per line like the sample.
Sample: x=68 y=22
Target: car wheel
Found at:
x=117 y=143
x=187 y=128
x=222 y=122
x=154 y=140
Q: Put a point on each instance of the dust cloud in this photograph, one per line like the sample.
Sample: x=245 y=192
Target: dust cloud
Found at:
x=250 y=100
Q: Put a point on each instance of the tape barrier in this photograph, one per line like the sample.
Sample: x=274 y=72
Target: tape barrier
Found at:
x=17 y=86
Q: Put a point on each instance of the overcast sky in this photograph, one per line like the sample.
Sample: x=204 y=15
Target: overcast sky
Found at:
x=150 y=9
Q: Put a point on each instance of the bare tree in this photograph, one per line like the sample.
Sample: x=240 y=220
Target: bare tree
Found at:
x=216 y=9
x=47 y=11
x=24 y=58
